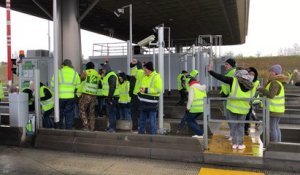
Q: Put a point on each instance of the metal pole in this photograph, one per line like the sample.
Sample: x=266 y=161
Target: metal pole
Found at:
x=37 y=97
x=185 y=63
x=161 y=71
x=169 y=59
x=56 y=16
x=128 y=57
x=206 y=112
x=49 y=39
x=153 y=58
x=130 y=37
x=193 y=56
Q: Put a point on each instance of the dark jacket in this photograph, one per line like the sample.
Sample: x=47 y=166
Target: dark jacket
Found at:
x=112 y=81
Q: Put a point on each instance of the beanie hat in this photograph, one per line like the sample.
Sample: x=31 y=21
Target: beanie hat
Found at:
x=231 y=62
x=276 y=68
x=89 y=65
x=67 y=62
x=194 y=73
x=184 y=72
x=149 y=66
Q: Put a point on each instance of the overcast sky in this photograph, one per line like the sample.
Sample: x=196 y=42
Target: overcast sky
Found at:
x=273 y=24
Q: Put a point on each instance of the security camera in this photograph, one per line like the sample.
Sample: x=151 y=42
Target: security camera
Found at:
x=146 y=41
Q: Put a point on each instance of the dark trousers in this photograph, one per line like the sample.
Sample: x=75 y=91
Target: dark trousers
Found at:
x=191 y=120
x=183 y=96
x=99 y=110
x=66 y=113
x=47 y=121
x=111 y=111
x=135 y=111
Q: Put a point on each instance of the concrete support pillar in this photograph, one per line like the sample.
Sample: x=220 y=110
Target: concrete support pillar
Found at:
x=71 y=42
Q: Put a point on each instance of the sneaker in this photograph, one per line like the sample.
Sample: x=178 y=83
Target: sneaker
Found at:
x=134 y=131
x=240 y=147
x=110 y=130
x=234 y=146
x=197 y=136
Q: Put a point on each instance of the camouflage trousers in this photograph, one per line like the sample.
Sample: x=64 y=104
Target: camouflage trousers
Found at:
x=87 y=105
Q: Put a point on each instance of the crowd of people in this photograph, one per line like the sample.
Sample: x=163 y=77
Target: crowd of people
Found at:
x=135 y=97
x=242 y=89
x=124 y=97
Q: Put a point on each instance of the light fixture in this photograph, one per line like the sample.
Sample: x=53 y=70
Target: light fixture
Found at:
x=119 y=12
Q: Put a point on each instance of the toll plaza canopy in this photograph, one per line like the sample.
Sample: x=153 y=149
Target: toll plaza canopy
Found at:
x=187 y=18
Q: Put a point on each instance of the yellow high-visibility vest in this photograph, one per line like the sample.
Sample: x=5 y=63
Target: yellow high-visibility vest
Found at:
x=198 y=100
x=277 y=104
x=124 y=92
x=68 y=80
x=225 y=88
x=47 y=104
x=105 y=87
x=153 y=83
x=236 y=105
x=90 y=84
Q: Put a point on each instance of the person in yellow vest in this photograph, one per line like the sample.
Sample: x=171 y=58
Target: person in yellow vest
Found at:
x=47 y=102
x=87 y=102
x=150 y=90
x=181 y=86
x=274 y=90
x=26 y=89
x=110 y=92
x=193 y=74
x=255 y=102
x=194 y=107
x=100 y=97
x=1 y=91
x=124 y=100
x=137 y=74
x=238 y=102
x=68 y=82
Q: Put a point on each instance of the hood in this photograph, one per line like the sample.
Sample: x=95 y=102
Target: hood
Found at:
x=199 y=86
x=282 y=78
x=194 y=73
x=107 y=68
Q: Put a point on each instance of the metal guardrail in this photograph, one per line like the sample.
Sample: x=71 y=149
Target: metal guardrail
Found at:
x=207 y=118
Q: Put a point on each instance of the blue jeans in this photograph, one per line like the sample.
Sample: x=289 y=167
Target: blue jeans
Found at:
x=47 y=121
x=66 y=113
x=275 y=132
x=143 y=121
x=124 y=110
x=111 y=111
x=237 y=129
x=191 y=120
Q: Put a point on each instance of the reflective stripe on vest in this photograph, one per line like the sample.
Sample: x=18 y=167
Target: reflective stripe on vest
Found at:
x=90 y=84
x=67 y=83
x=47 y=104
x=238 y=101
x=105 y=87
x=225 y=88
x=124 y=92
x=146 y=97
x=197 y=104
x=277 y=104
